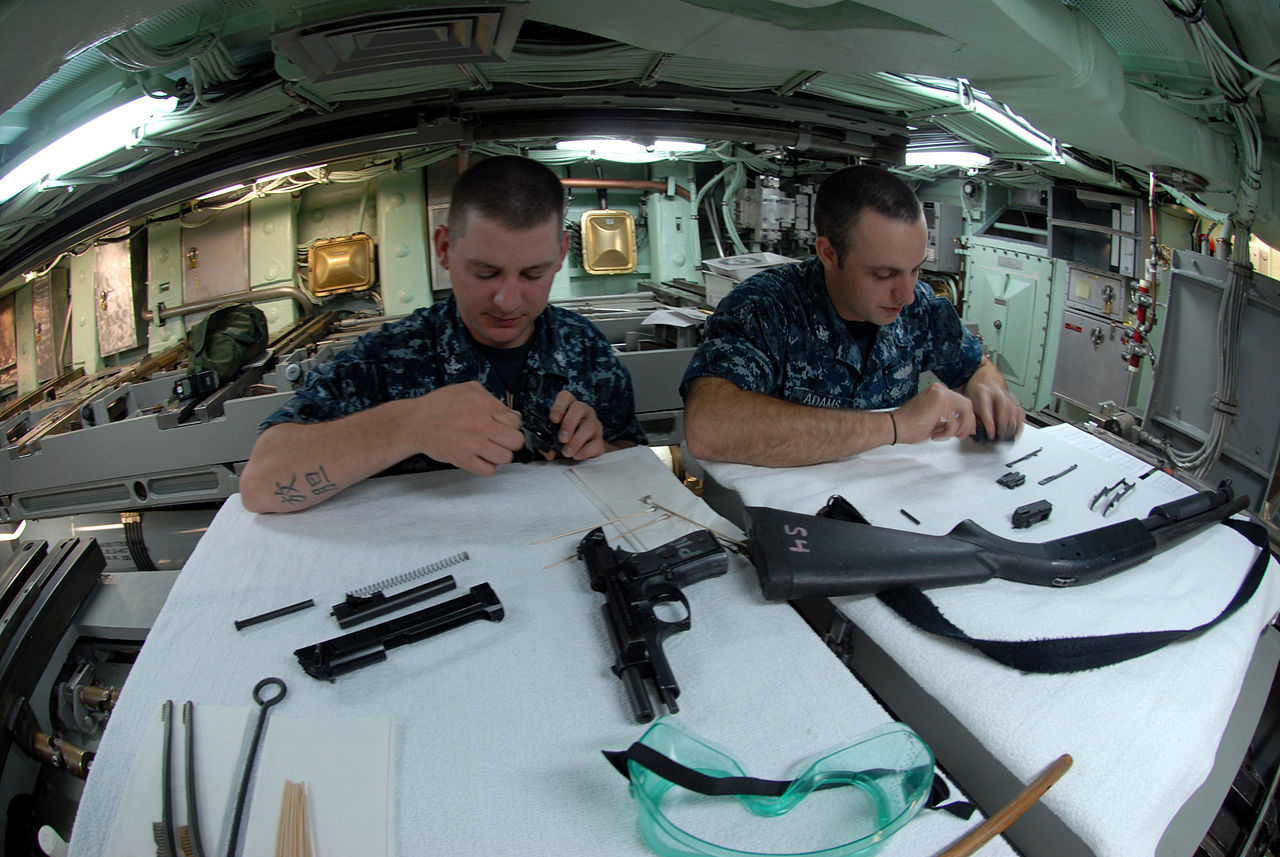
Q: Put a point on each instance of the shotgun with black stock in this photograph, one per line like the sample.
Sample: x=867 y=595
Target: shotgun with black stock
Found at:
x=835 y=553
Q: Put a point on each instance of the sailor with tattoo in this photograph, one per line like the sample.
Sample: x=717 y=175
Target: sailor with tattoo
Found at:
x=454 y=382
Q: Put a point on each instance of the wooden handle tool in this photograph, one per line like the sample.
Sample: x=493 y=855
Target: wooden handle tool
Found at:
x=1023 y=801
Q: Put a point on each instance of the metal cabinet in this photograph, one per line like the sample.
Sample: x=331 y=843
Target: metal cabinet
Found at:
x=1090 y=368
x=1009 y=300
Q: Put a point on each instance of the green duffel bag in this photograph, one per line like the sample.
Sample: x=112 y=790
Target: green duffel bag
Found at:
x=226 y=339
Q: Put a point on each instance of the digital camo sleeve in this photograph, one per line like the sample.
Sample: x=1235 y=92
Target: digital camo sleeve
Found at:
x=744 y=343
x=954 y=353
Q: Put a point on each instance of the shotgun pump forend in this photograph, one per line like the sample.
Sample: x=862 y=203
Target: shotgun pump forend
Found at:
x=798 y=556
x=633 y=584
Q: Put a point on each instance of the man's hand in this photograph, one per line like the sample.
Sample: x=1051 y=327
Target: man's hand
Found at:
x=580 y=432
x=464 y=425
x=935 y=414
x=994 y=406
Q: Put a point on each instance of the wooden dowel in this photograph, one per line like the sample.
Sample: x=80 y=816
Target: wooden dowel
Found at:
x=592 y=527
x=995 y=825
x=623 y=532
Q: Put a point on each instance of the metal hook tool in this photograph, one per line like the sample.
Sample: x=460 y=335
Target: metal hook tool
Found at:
x=264 y=705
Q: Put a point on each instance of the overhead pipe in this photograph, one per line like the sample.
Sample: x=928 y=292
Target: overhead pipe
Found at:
x=251 y=296
x=626 y=184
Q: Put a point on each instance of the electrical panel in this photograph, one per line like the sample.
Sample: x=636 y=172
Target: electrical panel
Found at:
x=763 y=213
x=945 y=222
x=1092 y=292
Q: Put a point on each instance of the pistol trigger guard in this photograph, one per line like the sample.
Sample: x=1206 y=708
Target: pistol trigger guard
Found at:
x=661 y=594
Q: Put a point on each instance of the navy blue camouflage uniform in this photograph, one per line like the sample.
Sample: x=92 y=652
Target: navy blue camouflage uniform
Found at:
x=431 y=348
x=778 y=333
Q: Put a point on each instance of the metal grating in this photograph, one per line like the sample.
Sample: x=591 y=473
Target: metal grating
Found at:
x=1123 y=27
x=401 y=39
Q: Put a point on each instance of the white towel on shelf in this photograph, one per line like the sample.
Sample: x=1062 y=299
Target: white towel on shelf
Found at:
x=1144 y=732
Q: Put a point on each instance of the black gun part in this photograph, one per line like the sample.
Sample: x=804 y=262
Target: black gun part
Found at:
x=798 y=556
x=361 y=608
x=1031 y=513
x=1115 y=493
x=633 y=584
x=540 y=434
x=241 y=624
x=332 y=658
x=1011 y=480
x=1031 y=454
x=1048 y=479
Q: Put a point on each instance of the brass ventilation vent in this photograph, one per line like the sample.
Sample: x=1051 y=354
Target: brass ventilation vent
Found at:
x=608 y=241
x=402 y=38
x=340 y=265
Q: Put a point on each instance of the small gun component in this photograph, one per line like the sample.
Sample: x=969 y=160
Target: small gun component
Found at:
x=241 y=624
x=1011 y=480
x=1031 y=454
x=910 y=517
x=540 y=434
x=1048 y=479
x=980 y=434
x=1032 y=513
x=362 y=608
x=633 y=584
x=332 y=658
x=429 y=568
x=1116 y=493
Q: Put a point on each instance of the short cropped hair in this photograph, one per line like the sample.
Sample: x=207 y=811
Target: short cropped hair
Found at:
x=517 y=192
x=846 y=193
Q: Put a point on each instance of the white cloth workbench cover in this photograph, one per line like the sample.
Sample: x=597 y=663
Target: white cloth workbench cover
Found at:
x=495 y=729
x=1143 y=733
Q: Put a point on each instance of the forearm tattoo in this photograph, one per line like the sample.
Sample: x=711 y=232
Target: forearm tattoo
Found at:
x=318 y=483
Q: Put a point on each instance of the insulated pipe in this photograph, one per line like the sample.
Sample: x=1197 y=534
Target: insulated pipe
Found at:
x=252 y=295
x=626 y=184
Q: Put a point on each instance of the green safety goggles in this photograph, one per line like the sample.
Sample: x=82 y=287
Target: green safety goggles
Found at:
x=844 y=802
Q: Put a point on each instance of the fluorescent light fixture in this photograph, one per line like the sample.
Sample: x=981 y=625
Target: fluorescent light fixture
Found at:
x=945 y=158
x=220 y=191
x=678 y=146
x=17 y=532
x=629 y=151
x=116 y=129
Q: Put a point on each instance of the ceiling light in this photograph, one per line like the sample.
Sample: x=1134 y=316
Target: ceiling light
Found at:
x=945 y=158
x=629 y=151
x=678 y=146
x=116 y=129
x=220 y=191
